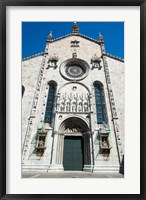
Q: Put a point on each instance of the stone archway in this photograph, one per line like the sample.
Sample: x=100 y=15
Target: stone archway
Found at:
x=73 y=139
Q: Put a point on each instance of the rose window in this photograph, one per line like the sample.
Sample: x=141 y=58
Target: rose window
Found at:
x=74 y=71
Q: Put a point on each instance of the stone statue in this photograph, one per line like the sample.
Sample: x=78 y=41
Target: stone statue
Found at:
x=41 y=143
x=67 y=107
x=73 y=107
x=85 y=107
x=62 y=107
x=74 y=55
x=104 y=143
x=80 y=107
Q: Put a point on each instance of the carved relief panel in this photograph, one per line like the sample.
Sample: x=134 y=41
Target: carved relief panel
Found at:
x=73 y=98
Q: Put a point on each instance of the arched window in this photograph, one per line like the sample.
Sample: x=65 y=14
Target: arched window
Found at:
x=50 y=102
x=100 y=103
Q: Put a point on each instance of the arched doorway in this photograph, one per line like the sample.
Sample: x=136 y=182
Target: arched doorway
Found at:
x=76 y=151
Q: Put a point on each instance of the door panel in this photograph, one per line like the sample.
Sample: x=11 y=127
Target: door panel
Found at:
x=73 y=158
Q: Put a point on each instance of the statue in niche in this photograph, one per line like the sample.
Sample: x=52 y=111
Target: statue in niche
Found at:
x=80 y=107
x=41 y=143
x=85 y=107
x=62 y=107
x=74 y=107
x=67 y=107
x=104 y=143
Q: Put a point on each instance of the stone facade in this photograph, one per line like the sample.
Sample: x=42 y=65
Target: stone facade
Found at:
x=74 y=63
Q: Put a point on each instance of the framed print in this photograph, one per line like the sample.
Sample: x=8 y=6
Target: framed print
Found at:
x=72 y=120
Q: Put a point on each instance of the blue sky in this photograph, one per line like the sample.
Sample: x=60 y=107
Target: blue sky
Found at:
x=34 y=35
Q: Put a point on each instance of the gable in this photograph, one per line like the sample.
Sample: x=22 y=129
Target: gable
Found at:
x=83 y=47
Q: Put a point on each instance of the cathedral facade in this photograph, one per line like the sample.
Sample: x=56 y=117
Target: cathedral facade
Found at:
x=73 y=107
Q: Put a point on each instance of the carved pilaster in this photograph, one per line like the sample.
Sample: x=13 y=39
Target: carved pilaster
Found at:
x=27 y=141
x=59 y=152
x=87 y=157
x=113 y=110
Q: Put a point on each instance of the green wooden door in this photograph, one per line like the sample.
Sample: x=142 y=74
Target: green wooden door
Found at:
x=73 y=158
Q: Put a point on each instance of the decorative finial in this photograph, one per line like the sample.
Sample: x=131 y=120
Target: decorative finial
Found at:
x=75 y=28
x=50 y=33
x=50 y=37
x=100 y=38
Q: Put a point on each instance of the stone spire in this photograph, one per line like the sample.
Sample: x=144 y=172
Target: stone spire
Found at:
x=100 y=38
x=75 y=28
x=50 y=37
